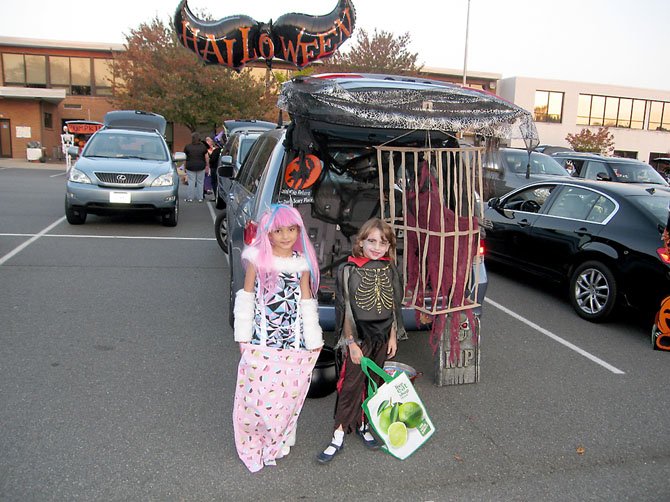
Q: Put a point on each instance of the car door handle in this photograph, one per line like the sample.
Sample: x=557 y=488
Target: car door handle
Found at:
x=524 y=223
x=231 y=196
x=582 y=231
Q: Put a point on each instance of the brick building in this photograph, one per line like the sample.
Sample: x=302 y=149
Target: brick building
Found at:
x=45 y=83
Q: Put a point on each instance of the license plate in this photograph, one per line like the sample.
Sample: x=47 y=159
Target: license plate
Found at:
x=119 y=197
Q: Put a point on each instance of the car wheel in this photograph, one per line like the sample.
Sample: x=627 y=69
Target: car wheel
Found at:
x=74 y=216
x=593 y=291
x=171 y=218
x=221 y=231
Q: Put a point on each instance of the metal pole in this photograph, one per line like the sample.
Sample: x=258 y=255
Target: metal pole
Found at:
x=465 y=56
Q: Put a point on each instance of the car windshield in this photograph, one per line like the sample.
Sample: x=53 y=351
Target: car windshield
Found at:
x=656 y=206
x=539 y=163
x=119 y=145
x=636 y=173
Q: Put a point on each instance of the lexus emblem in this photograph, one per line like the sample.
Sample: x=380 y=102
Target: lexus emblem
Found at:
x=121 y=177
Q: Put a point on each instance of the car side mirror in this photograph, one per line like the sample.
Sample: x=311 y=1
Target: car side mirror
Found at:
x=603 y=177
x=494 y=203
x=225 y=166
x=179 y=157
x=73 y=151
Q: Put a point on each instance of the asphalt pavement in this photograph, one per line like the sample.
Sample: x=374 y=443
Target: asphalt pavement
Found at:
x=118 y=366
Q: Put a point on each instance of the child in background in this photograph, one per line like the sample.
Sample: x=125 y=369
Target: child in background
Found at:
x=277 y=325
x=368 y=322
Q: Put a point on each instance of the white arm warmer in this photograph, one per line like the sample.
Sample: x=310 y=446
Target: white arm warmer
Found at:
x=310 y=324
x=244 y=316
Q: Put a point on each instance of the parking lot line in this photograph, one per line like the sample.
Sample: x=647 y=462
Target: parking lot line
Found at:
x=556 y=338
x=211 y=211
x=21 y=247
x=136 y=237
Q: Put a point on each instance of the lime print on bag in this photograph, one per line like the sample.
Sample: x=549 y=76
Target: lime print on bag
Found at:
x=396 y=412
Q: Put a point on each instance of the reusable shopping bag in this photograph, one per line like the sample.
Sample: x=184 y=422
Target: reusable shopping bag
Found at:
x=395 y=412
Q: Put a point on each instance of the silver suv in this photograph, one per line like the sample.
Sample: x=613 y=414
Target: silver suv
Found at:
x=125 y=167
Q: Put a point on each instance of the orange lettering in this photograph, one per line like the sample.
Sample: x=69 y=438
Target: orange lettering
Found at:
x=344 y=29
x=305 y=50
x=288 y=51
x=326 y=48
x=229 y=51
x=266 y=41
x=211 y=41
x=245 y=46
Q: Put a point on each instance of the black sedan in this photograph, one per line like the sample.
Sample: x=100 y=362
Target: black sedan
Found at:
x=602 y=238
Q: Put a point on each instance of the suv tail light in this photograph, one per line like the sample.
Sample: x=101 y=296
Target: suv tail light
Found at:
x=250 y=230
x=482 y=248
x=664 y=255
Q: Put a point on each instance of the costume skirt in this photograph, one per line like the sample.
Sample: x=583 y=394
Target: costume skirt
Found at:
x=271 y=388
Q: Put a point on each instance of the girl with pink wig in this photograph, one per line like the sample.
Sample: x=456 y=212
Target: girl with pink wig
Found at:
x=277 y=325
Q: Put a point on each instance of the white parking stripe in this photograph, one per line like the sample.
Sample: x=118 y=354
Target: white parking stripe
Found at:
x=211 y=211
x=21 y=247
x=137 y=237
x=556 y=338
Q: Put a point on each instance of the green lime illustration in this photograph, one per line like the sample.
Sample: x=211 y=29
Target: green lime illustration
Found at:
x=387 y=416
x=410 y=414
x=397 y=434
x=385 y=419
x=384 y=404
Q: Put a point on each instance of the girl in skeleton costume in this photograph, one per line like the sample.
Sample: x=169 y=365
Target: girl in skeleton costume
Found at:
x=368 y=322
x=277 y=325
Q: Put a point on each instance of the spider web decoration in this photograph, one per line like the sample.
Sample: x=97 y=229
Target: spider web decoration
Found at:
x=425 y=105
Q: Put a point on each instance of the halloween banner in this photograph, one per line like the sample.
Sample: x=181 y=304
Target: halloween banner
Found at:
x=235 y=41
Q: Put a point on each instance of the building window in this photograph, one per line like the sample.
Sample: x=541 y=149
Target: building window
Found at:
x=659 y=116
x=662 y=165
x=548 y=106
x=36 y=71
x=103 y=72
x=73 y=74
x=610 y=111
x=59 y=71
x=80 y=71
x=24 y=70
x=48 y=120
x=626 y=154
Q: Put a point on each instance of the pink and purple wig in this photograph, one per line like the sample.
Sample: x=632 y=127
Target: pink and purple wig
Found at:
x=281 y=215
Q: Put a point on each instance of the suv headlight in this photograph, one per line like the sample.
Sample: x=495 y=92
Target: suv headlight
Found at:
x=76 y=176
x=164 y=180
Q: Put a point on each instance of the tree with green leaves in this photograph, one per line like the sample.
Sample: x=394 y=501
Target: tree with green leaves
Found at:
x=155 y=73
x=383 y=52
x=601 y=141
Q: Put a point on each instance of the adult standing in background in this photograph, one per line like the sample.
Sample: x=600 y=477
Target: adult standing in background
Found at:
x=197 y=165
x=214 y=151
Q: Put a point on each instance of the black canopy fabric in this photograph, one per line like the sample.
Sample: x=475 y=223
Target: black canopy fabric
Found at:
x=405 y=103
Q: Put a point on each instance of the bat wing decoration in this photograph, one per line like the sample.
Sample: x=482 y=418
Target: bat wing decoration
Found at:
x=237 y=40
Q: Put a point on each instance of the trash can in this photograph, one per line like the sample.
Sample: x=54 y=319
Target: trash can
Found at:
x=34 y=150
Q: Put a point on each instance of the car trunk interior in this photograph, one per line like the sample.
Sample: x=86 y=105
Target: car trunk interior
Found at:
x=347 y=192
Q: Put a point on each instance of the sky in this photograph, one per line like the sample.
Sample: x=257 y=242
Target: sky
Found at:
x=618 y=42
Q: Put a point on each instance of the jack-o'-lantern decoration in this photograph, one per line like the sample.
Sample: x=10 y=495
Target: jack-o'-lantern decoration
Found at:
x=660 y=333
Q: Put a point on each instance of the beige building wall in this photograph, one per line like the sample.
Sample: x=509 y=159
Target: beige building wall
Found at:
x=521 y=91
